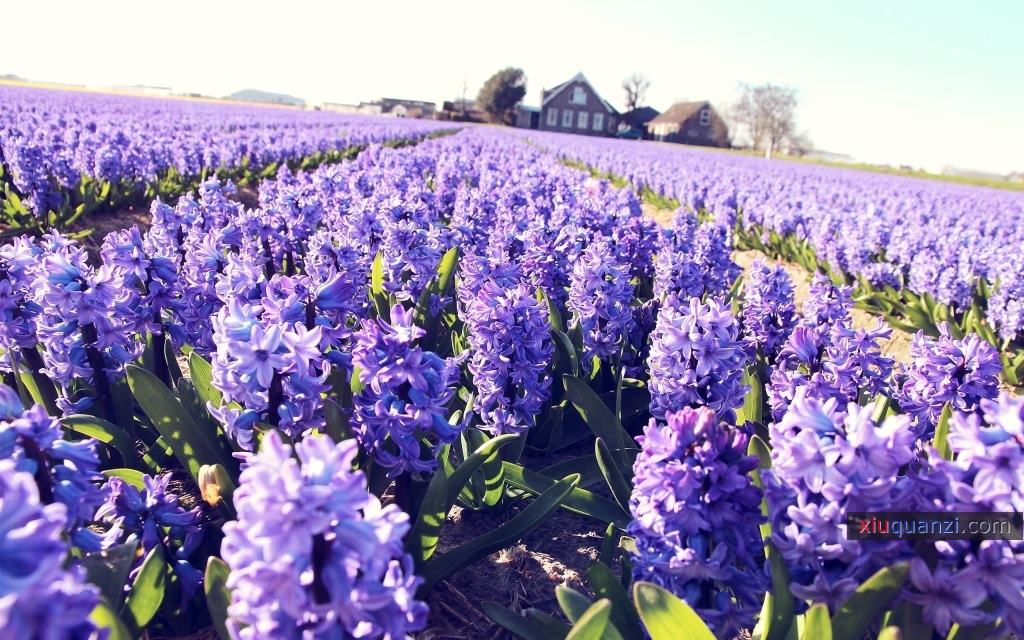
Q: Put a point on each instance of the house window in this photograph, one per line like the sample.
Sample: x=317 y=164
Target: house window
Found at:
x=552 y=117
x=705 y=117
x=567 y=118
x=579 y=95
x=582 y=120
x=598 y=121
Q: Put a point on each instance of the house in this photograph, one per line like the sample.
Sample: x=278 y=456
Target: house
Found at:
x=527 y=117
x=406 y=108
x=575 y=107
x=690 y=123
x=460 y=110
x=633 y=124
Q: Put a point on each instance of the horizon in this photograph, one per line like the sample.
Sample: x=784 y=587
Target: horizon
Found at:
x=877 y=89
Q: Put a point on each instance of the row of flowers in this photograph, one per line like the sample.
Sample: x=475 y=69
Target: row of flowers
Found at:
x=64 y=154
x=918 y=252
x=379 y=334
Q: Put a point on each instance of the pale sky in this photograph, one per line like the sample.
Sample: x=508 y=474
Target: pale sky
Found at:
x=894 y=81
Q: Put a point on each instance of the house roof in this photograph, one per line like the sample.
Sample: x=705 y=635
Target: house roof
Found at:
x=579 y=77
x=680 y=112
x=640 y=116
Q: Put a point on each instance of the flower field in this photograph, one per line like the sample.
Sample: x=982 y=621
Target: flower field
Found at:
x=261 y=422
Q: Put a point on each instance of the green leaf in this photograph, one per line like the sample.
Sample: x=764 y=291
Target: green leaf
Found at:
x=442 y=566
x=666 y=617
x=440 y=496
x=173 y=368
x=103 y=617
x=201 y=374
x=554 y=316
x=378 y=296
x=624 y=616
x=875 y=595
x=597 y=415
x=612 y=475
x=753 y=402
x=593 y=623
x=191 y=445
x=217 y=595
x=109 y=569
x=133 y=477
x=41 y=389
x=565 y=359
x=106 y=432
x=942 y=432
x=586 y=466
x=485 y=485
x=524 y=627
x=578 y=501
x=777 y=612
x=573 y=603
x=817 y=624
x=147 y=592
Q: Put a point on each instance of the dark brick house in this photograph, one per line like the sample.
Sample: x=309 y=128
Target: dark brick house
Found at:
x=690 y=123
x=575 y=107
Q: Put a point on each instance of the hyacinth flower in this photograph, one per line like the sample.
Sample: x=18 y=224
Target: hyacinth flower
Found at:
x=944 y=370
x=826 y=303
x=696 y=359
x=85 y=323
x=600 y=297
x=695 y=261
x=768 y=308
x=509 y=336
x=153 y=515
x=404 y=397
x=312 y=553
x=985 y=475
x=66 y=472
x=696 y=514
x=830 y=361
x=39 y=598
x=17 y=310
x=275 y=370
x=154 y=276
x=827 y=462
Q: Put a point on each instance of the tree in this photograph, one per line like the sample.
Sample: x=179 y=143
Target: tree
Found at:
x=767 y=114
x=501 y=93
x=636 y=87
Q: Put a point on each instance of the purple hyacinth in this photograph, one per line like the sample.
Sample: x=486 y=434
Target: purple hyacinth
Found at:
x=695 y=260
x=272 y=366
x=154 y=514
x=405 y=394
x=827 y=462
x=984 y=475
x=944 y=370
x=768 y=308
x=67 y=472
x=830 y=362
x=696 y=359
x=599 y=298
x=39 y=598
x=509 y=335
x=826 y=303
x=313 y=553
x=695 y=517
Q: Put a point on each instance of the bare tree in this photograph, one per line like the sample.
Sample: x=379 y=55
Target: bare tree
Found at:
x=767 y=114
x=636 y=87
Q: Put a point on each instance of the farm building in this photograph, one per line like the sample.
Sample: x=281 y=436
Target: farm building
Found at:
x=575 y=107
x=690 y=123
x=633 y=124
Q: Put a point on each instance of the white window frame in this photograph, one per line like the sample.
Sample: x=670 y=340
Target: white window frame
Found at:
x=705 y=117
x=582 y=119
x=598 y=123
x=578 y=95
x=552 y=117
x=567 y=118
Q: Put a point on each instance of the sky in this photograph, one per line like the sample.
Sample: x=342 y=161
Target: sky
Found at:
x=926 y=84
